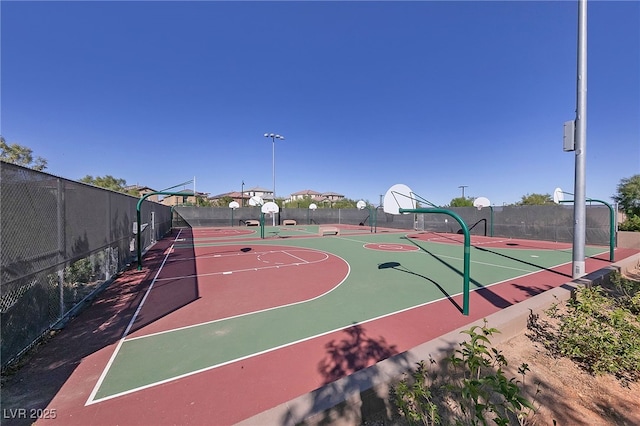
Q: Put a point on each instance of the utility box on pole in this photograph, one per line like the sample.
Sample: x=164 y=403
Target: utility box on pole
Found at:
x=569 y=137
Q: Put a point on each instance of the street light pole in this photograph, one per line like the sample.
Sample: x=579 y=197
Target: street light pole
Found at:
x=463 y=187
x=273 y=137
x=579 y=206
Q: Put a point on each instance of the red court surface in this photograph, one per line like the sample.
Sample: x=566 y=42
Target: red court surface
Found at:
x=66 y=370
x=251 y=277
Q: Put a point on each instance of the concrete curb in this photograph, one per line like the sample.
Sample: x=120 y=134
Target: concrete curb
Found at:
x=344 y=401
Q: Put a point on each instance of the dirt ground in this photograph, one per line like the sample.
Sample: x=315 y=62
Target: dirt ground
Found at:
x=567 y=394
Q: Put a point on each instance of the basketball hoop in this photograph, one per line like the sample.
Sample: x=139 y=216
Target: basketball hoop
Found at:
x=481 y=202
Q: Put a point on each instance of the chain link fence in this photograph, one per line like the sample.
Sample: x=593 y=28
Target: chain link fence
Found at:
x=540 y=222
x=61 y=242
x=545 y=222
x=191 y=216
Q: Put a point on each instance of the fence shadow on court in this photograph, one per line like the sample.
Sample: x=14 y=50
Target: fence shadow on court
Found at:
x=352 y=353
x=45 y=369
x=170 y=294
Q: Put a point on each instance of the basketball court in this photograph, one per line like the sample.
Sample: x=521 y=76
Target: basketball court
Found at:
x=228 y=324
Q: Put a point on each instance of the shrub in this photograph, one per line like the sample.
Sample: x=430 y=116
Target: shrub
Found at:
x=631 y=224
x=472 y=389
x=600 y=329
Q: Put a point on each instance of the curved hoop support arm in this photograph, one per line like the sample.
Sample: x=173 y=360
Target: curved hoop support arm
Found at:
x=139 y=219
x=612 y=220
x=467 y=249
x=415 y=197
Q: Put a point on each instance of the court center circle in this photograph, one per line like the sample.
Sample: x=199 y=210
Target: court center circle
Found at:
x=393 y=247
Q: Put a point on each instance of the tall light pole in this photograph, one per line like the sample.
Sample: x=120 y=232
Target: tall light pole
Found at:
x=579 y=206
x=273 y=137
x=463 y=187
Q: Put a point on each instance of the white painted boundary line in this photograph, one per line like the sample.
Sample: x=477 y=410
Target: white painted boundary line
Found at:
x=303 y=261
x=286 y=344
x=212 y=367
x=104 y=373
x=253 y=312
x=257 y=268
x=126 y=331
x=459 y=258
x=217 y=255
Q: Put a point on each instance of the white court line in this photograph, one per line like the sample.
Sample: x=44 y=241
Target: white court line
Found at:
x=255 y=354
x=299 y=258
x=207 y=256
x=248 y=253
x=459 y=258
x=257 y=268
x=253 y=312
x=126 y=331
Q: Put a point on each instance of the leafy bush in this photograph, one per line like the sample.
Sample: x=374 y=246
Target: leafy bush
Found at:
x=600 y=329
x=79 y=271
x=471 y=390
x=631 y=224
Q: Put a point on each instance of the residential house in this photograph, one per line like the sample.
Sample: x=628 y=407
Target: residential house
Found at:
x=306 y=193
x=265 y=194
x=332 y=196
x=236 y=196
x=142 y=191
x=315 y=196
x=186 y=196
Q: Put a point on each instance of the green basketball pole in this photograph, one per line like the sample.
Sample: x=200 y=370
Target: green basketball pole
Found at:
x=491 y=220
x=612 y=220
x=139 y=219
x=467 y=249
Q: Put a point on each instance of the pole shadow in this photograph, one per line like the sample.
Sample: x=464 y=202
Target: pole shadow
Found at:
x=476 y=224
x=398 y=267
x=482 y=291
x=524 y=262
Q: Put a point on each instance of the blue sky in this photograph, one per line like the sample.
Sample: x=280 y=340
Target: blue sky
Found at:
x=434 y=95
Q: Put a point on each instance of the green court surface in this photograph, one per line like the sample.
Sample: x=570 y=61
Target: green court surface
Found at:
x=379 y=283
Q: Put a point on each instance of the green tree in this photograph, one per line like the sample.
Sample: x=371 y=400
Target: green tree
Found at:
x=461 y=202
x=204 y=202
x=20 y=155
x=628 y=195
x=302 y=203
x=535 y=200
x=220 y=202
x=345 y=203
x=108 y=182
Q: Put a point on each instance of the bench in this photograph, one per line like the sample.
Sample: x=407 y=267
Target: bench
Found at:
x=289 y=222
x=252 y=222
x=328 y=230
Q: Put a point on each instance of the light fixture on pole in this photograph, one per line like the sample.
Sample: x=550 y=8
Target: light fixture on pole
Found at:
x=273 y=137
x=463 y=187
